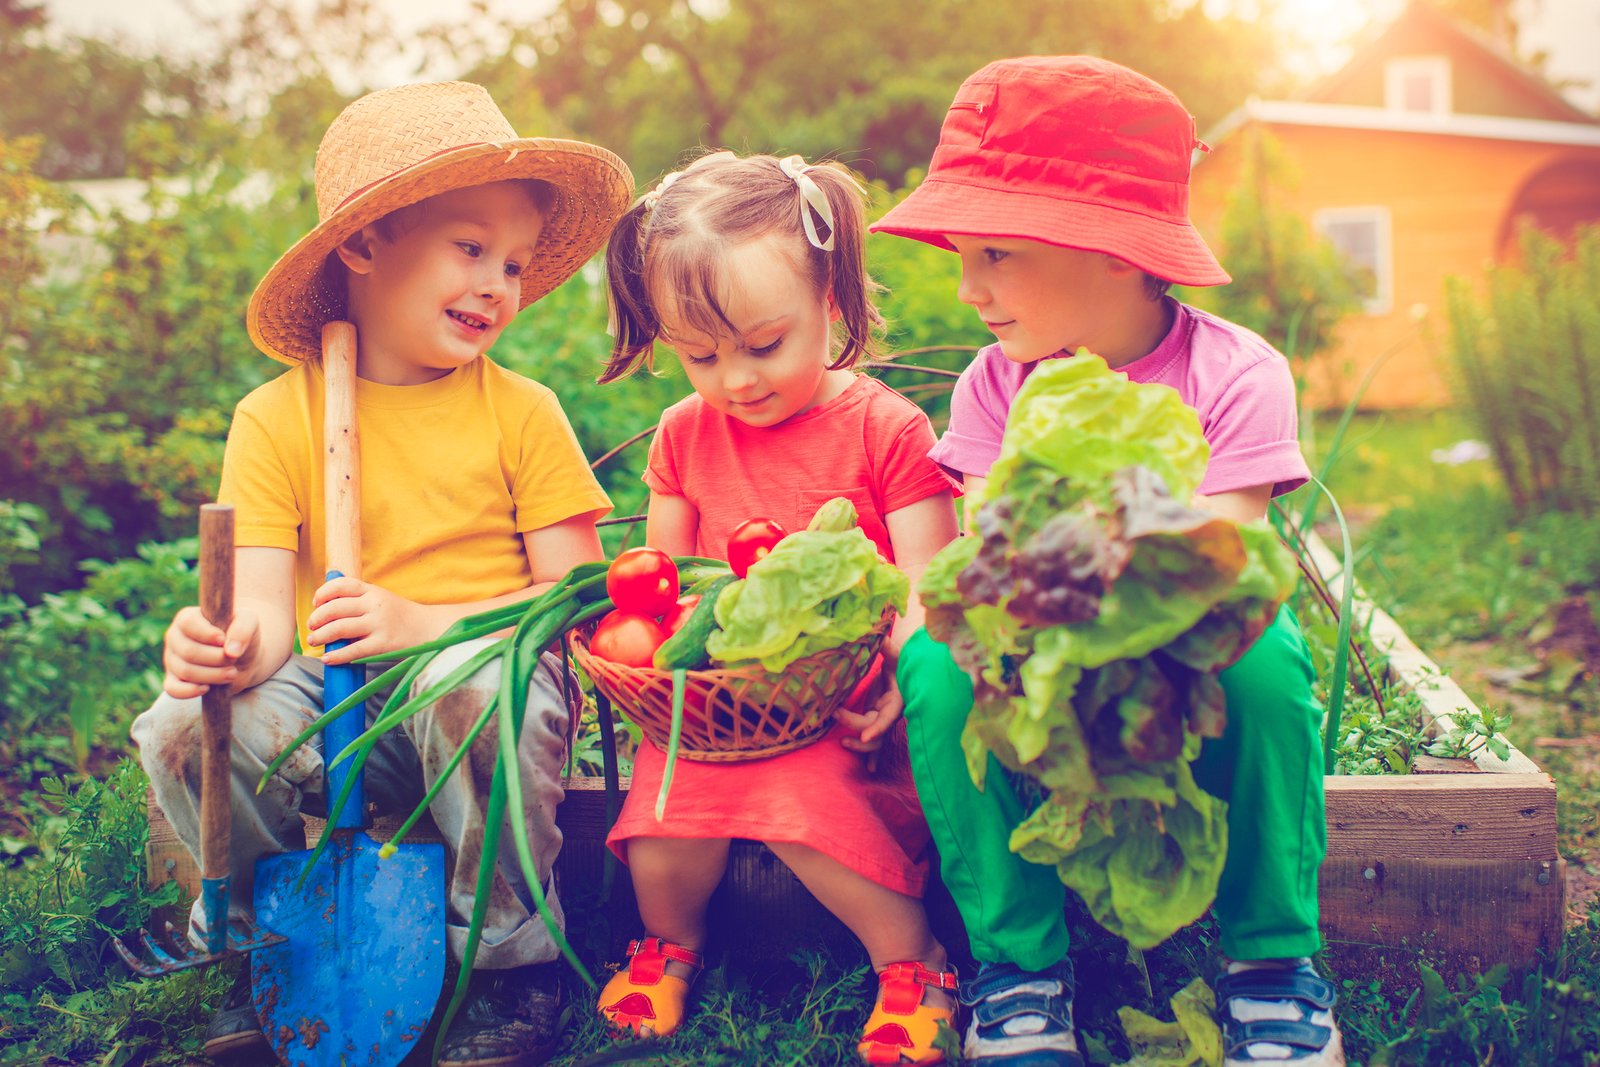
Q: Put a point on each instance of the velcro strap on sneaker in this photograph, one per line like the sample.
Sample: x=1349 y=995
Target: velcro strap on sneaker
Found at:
x=991 y=982
x=998 y=1010
x=1269 y=983
x=648 y=956
x=1291 y=1032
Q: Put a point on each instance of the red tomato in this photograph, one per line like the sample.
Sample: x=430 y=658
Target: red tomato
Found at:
x=750 y=541
x=673 y=620
x=627 y=638
x=643 y=581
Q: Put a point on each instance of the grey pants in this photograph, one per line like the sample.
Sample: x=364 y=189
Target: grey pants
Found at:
x=402 y=768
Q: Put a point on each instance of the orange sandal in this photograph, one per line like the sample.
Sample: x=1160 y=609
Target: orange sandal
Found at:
x=902 y=1029
x=644 y=998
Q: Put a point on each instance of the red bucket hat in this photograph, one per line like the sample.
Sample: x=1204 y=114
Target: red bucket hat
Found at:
x=1069 y=150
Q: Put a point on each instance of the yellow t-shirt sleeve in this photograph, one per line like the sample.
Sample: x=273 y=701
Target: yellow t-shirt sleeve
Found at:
x=553 y=481
x=257 y=483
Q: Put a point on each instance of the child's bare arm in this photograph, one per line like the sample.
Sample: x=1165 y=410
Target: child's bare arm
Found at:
x=376 y=620
x=197 y=655
x=1240 y=505
x=972 y=487
x=917 y=532
x=671 y=524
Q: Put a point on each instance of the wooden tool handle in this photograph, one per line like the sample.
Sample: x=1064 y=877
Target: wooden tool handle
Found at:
x=216 y=706
x=341 y=473
x=341 y=465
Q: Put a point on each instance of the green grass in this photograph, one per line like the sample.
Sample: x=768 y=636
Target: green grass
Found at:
x=1475 y=583
x=1384 y=459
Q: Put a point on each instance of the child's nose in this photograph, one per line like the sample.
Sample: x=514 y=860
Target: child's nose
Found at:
x=493 y=283
x=969 y=291
x=739 y=378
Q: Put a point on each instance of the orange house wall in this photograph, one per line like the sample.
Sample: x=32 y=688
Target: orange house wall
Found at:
x=1447 y=199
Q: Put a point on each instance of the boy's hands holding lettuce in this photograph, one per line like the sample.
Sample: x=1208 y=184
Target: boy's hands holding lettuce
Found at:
x=1093 y=610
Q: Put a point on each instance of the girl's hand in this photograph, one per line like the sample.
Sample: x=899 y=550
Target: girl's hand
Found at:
x=370 y=617
x=195 y=655
x=875 y=723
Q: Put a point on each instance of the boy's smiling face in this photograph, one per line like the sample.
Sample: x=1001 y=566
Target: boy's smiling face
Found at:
x=438 y=295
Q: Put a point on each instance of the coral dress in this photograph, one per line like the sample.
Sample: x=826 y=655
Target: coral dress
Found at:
x=869 y=444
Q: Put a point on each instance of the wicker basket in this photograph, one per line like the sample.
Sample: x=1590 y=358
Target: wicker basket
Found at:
x=739 y=714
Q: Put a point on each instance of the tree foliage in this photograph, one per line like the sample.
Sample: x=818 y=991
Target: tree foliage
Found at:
x=90 y=102
x=1289 y=285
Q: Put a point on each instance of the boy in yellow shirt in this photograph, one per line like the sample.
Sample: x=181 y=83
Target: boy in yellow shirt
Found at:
x=437 y=225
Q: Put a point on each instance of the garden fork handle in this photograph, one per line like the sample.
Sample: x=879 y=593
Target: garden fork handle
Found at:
x=216 y=727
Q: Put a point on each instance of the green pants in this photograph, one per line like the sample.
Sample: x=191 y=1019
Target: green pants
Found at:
x=1267 y=765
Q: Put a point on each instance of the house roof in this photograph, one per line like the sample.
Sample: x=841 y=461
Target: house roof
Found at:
x=1355 y=117
x=1525 y=107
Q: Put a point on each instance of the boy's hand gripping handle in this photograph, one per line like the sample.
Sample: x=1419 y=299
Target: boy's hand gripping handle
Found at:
x=216 y=728
x=341 y=508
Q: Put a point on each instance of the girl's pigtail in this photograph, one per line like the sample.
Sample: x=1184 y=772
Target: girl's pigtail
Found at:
x=634 y=325
x=847 y=265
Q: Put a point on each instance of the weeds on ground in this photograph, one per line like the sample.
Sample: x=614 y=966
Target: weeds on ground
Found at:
x=82 y=884
x=1541 y=1019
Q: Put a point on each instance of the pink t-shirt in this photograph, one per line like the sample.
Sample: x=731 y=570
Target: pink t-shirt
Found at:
x=869 y=443
x=1239 y=385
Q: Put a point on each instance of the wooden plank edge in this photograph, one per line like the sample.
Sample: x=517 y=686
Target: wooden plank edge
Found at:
x=1447 y=817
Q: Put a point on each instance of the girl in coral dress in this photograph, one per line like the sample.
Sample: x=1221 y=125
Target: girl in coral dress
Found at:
x=751 y=270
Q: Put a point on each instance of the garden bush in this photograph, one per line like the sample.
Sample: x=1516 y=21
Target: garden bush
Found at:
x=1527 y=357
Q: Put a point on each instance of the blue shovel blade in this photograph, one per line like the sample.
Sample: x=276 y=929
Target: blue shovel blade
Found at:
x=358 y=978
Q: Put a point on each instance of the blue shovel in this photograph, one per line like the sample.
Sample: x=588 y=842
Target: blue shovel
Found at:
x=359 y=975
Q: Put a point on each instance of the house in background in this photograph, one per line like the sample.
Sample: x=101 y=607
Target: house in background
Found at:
x=1421 y=159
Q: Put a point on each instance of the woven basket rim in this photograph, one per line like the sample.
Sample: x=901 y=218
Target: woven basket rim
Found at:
x=748 y=668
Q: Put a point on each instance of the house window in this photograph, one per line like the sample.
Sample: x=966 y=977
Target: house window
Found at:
x=1417 y=84
x=1361 y=236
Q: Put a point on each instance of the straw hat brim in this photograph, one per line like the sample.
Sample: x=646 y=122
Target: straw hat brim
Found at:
x=593 y=187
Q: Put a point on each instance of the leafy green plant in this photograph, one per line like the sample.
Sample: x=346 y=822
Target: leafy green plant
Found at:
x=91 y=655
x=1527 y=355
x=61 y=992
x=19 y=539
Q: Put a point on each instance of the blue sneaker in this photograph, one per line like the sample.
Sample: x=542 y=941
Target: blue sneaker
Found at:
x=1279 y=1015
x=1020 y=1018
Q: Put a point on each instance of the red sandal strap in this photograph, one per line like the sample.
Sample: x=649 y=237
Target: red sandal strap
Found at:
x=902 y=985
x=648 y=958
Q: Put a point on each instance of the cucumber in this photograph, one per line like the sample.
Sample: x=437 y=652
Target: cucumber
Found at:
x=686 y=649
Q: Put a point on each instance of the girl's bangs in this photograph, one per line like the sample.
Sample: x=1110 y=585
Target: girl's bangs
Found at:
x=685 y=279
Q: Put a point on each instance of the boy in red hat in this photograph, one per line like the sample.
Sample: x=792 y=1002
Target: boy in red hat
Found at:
x=1062 y=182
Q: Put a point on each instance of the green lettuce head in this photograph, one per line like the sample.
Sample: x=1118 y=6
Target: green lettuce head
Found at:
x=1093 y=611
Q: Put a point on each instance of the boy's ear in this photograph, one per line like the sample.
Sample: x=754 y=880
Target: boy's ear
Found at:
x=355 y=251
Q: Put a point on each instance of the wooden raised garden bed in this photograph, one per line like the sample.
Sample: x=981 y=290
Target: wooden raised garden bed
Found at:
x=1456 y=860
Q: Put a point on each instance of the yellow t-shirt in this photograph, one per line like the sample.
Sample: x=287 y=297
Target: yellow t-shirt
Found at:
x=452 y=474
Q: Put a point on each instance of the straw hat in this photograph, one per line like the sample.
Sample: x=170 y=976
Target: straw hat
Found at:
x=395 y=147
